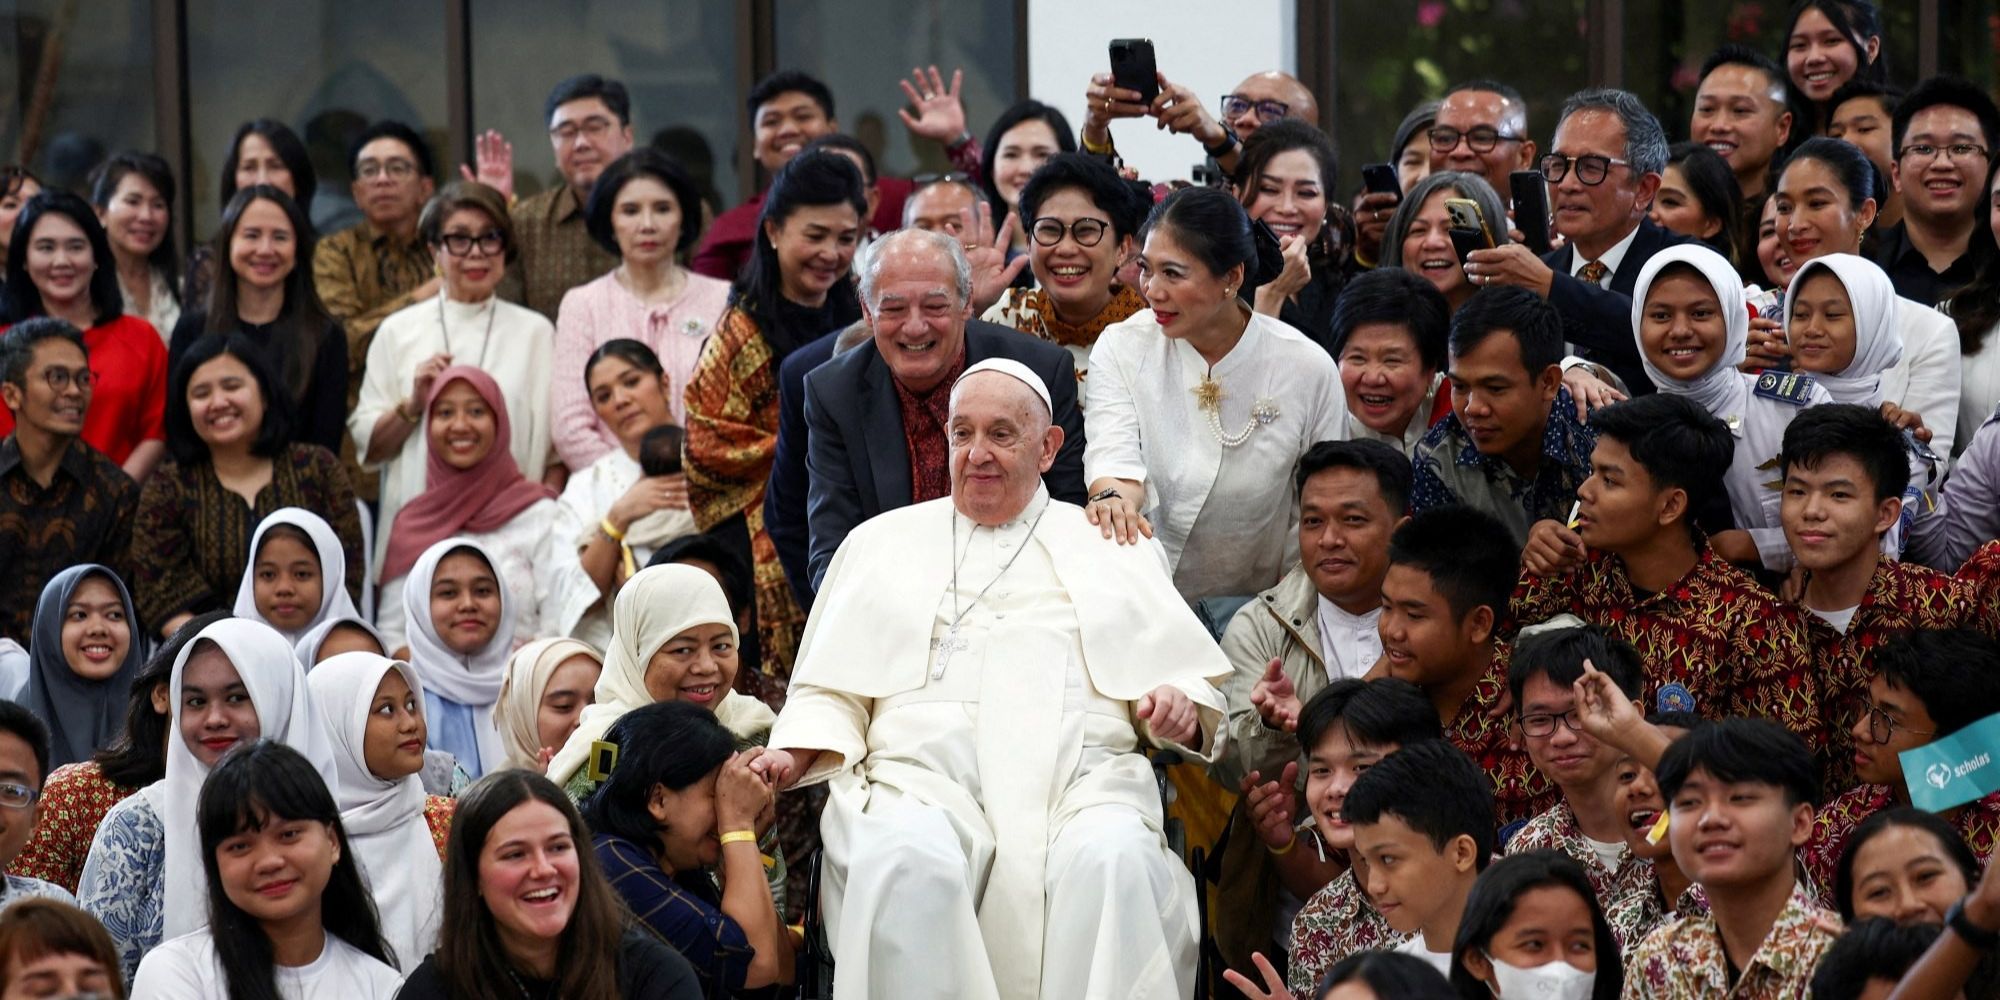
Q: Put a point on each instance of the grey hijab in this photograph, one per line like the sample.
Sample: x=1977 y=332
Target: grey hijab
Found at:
x=82 y=715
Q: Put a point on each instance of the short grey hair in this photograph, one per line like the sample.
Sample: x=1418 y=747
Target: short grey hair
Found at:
x=1458 y=183
x=920 y=241
x=1645 y=140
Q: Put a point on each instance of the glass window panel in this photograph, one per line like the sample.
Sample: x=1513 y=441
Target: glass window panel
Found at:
x=77 y=80
x=324 y=69
x=1970 y=30
x=676 y=58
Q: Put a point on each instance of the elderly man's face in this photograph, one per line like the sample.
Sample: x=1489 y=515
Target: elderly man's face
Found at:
x=916 y=313
x=1477 y=118
x=1271 y=86
x=1596 y=216
x=940 y=207
x=1001 y=443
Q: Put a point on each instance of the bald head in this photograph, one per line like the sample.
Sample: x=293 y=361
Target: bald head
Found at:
x=1271 y=85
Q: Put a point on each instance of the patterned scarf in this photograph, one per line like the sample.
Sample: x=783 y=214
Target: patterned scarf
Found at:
x=1038 y=316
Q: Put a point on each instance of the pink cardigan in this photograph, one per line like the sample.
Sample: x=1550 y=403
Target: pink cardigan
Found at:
x=603 y=310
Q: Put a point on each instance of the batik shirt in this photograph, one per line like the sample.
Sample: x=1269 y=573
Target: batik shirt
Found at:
x=1336 y=922
x=1450 y=468
x=1977 y=823
x=1520 y=792
x=1636 y=914
x=1557 y=830
x=124 y=880
x=1714 y=641
x=1685 y=959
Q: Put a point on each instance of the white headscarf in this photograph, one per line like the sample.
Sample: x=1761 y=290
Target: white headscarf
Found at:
x=277 y=688
x=1878 y=345
x=333 y=599
x=659 y=603
x=315 y=637
x=1720 y=389
x=528 y=674
x=473 y=681
x=384 y=819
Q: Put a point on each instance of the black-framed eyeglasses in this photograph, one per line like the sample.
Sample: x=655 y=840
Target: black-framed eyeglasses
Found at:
x=397 y=169
x=1956 y=151
x=1482 y=138
x=595 y=127
x=1591 y=169
x=1882 y=727
x=950 y=177
x=491 y=243
x=1236 y=106
x=1087 y=232
x=15 y=796
x=1543 y=724
x=60 y=378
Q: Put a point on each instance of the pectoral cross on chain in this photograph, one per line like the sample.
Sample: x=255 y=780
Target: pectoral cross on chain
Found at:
x=951 y=643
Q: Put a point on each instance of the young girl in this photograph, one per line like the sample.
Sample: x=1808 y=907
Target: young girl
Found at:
x=81 y=661
x=373 y=710
x=461 y=631
x=290 y=916
x=298 y=574
x=1691 y=325
x=235 y=682
x=549 y=684
x=1532 y=929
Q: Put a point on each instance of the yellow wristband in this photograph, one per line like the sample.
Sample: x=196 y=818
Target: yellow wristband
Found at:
x=1278 y=852
x=1096 y=150
x=610 y=532
x=739 y=837
x=1363 y=261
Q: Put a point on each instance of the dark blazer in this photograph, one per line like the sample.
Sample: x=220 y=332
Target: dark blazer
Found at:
x=785 y=493
x=858 y=460
x=1599 y=320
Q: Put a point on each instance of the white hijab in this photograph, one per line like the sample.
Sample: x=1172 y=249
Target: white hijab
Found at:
x=333 y=599
x=658 y=603
x=277 y=688
x=1878 y=345
x=315 y=637
x=528 y=673
x=473 y=681
x=384 y=819
x=1720 y=390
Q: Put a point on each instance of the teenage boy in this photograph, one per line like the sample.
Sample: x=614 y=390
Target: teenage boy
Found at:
x=1450 y=569
x=1714 y=642
x=1668 y=894
x=1944 y=130
x=1513 y=445
x=1423 y=824
x=1740 y=795
x=1345 y=729
x=1844 y=470
x=1589 y=823
x=24 y=762
x=1741 y=112
x=1924 y=686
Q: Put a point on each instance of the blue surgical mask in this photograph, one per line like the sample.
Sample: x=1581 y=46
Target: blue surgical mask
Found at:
x=1551 y=981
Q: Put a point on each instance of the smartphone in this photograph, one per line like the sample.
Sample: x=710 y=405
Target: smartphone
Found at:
x=1133 y=68
x=1531 y=209
x=1380 y=178
x=1469 y=231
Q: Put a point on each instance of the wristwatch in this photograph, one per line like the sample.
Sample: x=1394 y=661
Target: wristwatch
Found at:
x=1108 y=493
x=1222 y=148
x=1974 y=935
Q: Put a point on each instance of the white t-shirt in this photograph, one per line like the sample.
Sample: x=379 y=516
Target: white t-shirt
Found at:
x=1440 y=960
x=1608 y=852
x=1838 y=619
x=1350 y=644
x=185 y=968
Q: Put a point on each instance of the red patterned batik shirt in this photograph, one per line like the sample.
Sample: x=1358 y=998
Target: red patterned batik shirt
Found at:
x=1977 y=823
x=1336 y=922
x=1519 y=791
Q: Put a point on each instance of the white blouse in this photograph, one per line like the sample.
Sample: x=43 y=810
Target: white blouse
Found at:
x=186 y=968
x=1227 y=514
x=584 y=502
x=517 y=353
x=1927 y=379
x=1978 y=389
x=540 y=571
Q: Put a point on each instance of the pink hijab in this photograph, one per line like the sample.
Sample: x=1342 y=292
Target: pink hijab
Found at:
x=462 y=501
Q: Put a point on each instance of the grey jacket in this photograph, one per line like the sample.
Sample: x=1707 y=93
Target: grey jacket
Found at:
x=1282 y=622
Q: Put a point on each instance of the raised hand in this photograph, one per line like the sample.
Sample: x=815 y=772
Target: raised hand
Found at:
x=495 y=156
x=986 y=250
x=940 y=114
x=1276 y=698
x=1271 y=806
x=1274 y=984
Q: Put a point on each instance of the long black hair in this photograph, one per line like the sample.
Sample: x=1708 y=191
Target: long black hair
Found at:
x=1029 y=110
x=264 y=783
x=139 y=758
x=1857 y=21
x=1955 y=849
x=1976 y=307
x=284 y=142
x=1708 y=179
x=813 y=178
x=273 y=435
x=668 y=743
x=302 y=321
x=1491 y=904
x=20 y=299
x=164 y=259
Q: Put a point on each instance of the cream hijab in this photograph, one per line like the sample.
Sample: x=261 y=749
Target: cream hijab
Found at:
x=384 y=819
x=277 y=689
x=1878 y=345
x=519 y=711
x=333 y=599
x=654 y=606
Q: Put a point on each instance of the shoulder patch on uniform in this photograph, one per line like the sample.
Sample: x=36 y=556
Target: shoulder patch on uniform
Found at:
x=1785 y=387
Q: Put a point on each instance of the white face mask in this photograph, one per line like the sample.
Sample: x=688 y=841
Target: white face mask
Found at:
x=1552 y=981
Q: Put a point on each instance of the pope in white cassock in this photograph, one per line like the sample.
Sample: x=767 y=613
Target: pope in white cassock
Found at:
x=974 y=685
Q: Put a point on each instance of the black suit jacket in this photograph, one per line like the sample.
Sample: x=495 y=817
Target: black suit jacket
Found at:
x=856 y=455
x=785 y=493
x=1599 y=320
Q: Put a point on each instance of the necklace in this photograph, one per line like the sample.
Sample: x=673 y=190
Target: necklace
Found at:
x=493 y=310
x=952 y=641
x=523 y=987
x=1208 y=396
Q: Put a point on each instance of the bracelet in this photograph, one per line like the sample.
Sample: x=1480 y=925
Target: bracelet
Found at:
x=402 y=410
x=1108 y=493
x=959 y=143
x=1108 y=149
x=1978 y=937
x=739 y=837
x=1279 y=852
x=1364 y=262
x=610 y=532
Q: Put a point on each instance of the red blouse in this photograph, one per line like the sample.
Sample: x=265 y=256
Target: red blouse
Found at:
x=128 y=405
x=74 y=801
